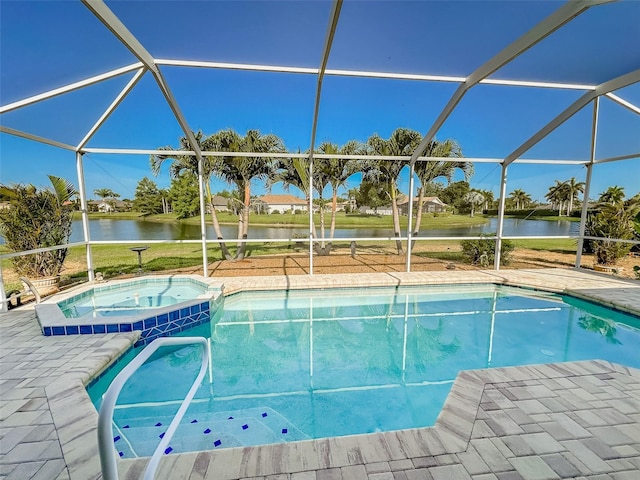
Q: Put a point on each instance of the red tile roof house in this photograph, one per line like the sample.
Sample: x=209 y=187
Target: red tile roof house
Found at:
x=282 y=203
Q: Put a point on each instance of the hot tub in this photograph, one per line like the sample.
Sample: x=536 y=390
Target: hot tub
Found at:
x=157 y=306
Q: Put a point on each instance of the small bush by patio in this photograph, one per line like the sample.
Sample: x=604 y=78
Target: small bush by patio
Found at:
x=482 y=252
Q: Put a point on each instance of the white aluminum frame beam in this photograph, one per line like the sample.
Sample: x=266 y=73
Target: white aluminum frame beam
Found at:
x=119 y=98
x=543 y=29
x=400 y=158
x=36 y=138
x=623 y=102
x=619 y=158
x=113 y=23
x=587 y=185
x=84 y=210
x=366 y=74
x=331 y=30
x=602 y=89
x=69 y=88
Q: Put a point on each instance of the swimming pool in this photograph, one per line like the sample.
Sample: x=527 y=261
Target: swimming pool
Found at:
x=294 y=365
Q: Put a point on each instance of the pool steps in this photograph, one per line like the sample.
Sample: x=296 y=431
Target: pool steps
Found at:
x=138 y=437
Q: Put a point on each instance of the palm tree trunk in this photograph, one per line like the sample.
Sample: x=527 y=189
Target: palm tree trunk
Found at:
x=243 y=223
x=396 y=217
x=216 y=225
x=322 y=222
x=416 y=229
x=334 y=210
x=314 y=232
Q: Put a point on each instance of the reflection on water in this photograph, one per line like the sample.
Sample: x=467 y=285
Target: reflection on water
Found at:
x=108 y=229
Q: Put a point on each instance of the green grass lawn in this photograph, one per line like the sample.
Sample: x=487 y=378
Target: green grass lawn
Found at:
x=561 y=245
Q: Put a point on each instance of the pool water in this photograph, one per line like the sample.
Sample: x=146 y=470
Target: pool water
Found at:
x=132 y=298
x=312 y=364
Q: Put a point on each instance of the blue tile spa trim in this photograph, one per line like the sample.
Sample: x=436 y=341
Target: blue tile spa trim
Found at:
x=161 y=325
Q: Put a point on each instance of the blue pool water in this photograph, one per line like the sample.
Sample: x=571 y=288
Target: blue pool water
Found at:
x=311 y=364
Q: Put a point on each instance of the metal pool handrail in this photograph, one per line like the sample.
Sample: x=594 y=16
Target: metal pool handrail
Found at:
x=108 y=460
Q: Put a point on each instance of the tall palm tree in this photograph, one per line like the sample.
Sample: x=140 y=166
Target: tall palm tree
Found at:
x=573 y=188
x=189 y=163
x=241 y=171
x=386 y=172
x=427 y=172
x=295 y=172
x=338 y=171
x=105 y=193
x=557 y=195
x=520 y=198
x=488 y=198
x=612 y=195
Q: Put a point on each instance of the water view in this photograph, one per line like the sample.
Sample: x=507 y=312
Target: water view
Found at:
x=108 y=229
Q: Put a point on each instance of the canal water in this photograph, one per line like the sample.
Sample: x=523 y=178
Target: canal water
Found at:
x=125 y=230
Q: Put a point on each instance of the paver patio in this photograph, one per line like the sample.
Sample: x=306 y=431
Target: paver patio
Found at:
x=570 y=420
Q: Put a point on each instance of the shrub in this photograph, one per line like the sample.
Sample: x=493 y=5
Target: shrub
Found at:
x=612 y=222
x=482 y=251
x=37 y=218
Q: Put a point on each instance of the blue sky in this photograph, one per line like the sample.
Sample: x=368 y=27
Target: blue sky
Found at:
x=45 y=45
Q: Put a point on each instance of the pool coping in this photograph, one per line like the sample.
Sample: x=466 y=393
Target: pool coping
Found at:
x=75 y=418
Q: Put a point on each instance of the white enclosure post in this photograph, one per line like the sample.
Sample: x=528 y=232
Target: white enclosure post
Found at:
x=4 y=301
x=410 y=212
x=203 y=217
x=587 y=184
x=311 y=214
x=85 y=215
x=583 y=216
x=503 y=194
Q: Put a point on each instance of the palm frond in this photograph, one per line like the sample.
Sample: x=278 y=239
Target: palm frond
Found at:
x=63 y=189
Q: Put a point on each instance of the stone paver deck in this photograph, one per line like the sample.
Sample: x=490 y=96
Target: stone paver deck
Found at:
x=570 y=420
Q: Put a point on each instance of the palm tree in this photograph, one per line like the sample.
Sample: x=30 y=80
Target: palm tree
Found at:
x=557 y=195
x=295 y=172
x=614 y=221
x=573 y=188
x=105 y=193
x=427 y=172
x=189 y=163
x=488 y=198
x=474 y=198
x=338 y=171
x=520 y=198
x=612 y=195
x=241 y=171
x=386 y=172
